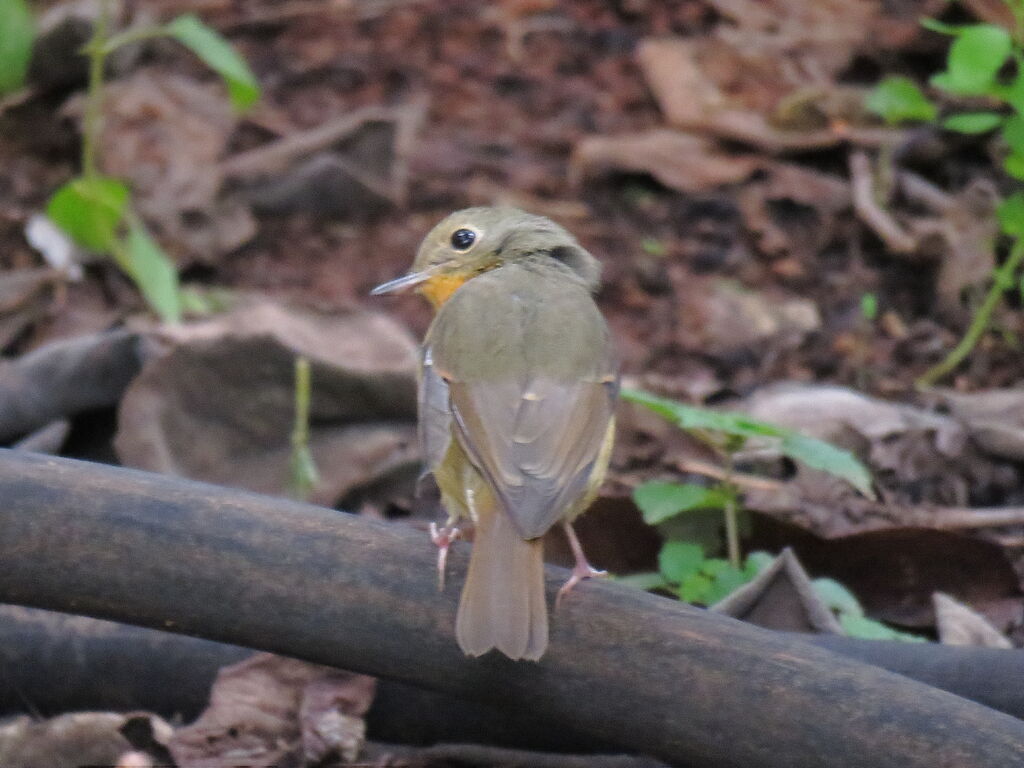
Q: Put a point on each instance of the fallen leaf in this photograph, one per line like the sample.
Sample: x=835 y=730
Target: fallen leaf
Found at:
x=165 y=134
x=331 y=717
x=680 y=161
x=731 y=317
x=781 y=597
x=733 y=83
x=218 y=405
x=994 y=418
x=959 y=625
x=894 y=572
x=261 y=710
x=25 y=298
x=970 y=229
x=793 y=210
x=66 y=741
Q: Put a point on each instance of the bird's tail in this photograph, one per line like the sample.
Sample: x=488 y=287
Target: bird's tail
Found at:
x=502 y=603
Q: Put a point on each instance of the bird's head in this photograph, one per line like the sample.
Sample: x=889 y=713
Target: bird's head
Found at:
x=476 y=240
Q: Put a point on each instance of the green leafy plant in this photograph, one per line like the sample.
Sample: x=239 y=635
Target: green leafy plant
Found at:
x=848 y=610
x=96 y=210
x=684 y=567
x=985 y=63
x=16 y=36
x=738 y=428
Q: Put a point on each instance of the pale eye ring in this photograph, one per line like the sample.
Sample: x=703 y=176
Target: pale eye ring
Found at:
x=463 y=239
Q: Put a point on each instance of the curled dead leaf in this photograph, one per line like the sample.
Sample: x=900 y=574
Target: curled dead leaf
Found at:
x=680 y=161
x=218 y=405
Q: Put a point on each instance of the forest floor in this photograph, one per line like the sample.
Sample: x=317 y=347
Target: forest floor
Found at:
x=714 y=155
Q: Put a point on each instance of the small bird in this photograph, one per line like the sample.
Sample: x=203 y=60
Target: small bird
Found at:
x=517 y=389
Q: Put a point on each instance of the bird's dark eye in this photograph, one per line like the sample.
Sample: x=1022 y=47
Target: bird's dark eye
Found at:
x=462 y=239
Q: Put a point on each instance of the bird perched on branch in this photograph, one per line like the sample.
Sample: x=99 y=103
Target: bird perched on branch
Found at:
x=516 y=397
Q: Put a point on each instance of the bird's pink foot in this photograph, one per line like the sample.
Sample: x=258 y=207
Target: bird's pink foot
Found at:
x=582 y=570
x=443 y=538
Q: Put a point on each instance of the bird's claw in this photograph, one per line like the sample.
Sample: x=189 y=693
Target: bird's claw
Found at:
x=582 y=570
x=443 y=538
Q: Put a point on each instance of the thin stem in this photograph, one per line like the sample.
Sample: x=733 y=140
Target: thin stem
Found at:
x=130 y=36
x=732 y=528
x=732 y=532
x=93 y=120
x=1002 y=279
x=304 y=474
x=300 y=432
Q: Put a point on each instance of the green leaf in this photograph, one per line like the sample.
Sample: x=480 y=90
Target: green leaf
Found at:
x=869 y=306
x=1012 y=94
x=898 y=99
x=815 y=453
x=1014 y=165
x=688 y=417
x=837 y=597
x=89 y=210
x=1011 y=215
x=653 y=247
x=1013 y=133
x=942 y=27
x=660 y=501
x=975 y=57
x=714 y=566
x=153 y=272
x=16 y=36
x=196 y=300
x=679 y=559
x=973 y=122
x=645 y=581
x=694 y=588
x=869 y=629
x=724 y=583
x=219 y=56
x=757 y=562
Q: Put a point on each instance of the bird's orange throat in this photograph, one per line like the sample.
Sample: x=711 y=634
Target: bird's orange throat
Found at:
x=439 y=289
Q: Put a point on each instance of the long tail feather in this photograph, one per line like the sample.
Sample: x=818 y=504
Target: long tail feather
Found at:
x=502 y=604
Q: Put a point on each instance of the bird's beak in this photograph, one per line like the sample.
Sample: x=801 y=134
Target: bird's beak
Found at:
x=401 y=283
x=407 y=281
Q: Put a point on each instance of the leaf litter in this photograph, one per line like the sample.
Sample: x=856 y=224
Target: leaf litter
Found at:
x=703 y=150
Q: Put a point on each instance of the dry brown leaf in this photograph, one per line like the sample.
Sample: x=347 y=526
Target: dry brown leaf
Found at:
x=25 y=297
x=731 y=317
x=970 y=228
x=994 y=419
x=822 y=196
x=678 y=160
x=260 y=710
x=165 y=135
x=895 y=572
x=959 y=625
x=219 y=404
x=744 y=81
x=916 y=457
x=781 y=597
x=67 y=741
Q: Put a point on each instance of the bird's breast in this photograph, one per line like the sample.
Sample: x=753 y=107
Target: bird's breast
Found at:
x=437 y=290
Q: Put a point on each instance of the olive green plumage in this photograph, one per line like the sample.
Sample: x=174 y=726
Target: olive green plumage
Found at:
x=517 y=392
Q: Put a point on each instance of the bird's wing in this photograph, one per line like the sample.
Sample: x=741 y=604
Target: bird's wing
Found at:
x=435 y=416
x=536 y=444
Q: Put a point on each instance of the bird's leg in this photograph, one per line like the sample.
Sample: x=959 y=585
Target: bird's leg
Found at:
x=443 y=538
x=582 y=570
